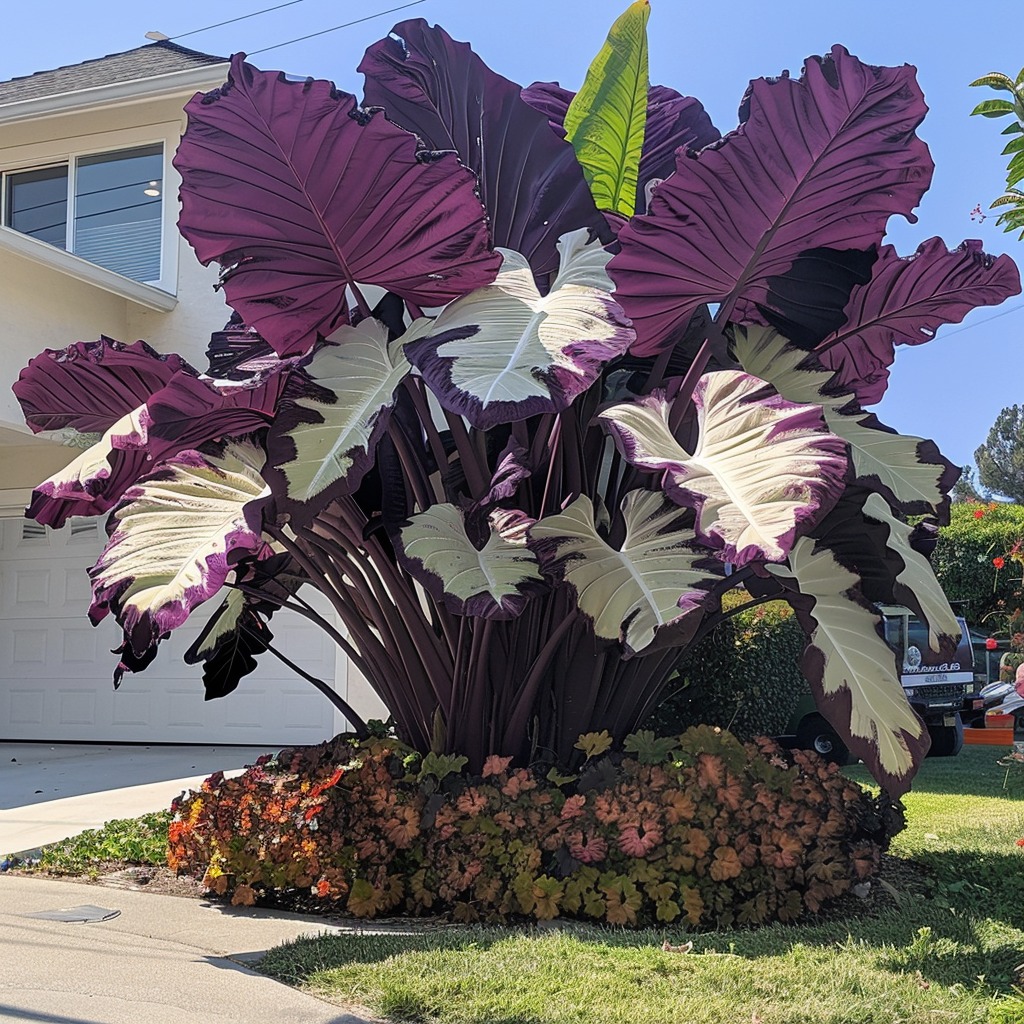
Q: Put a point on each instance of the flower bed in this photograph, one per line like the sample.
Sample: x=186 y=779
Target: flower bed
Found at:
x=697 y=828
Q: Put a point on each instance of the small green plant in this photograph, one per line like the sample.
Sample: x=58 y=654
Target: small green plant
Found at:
x=140 y=840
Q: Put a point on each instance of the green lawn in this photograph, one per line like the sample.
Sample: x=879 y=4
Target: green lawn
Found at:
x=946 y=953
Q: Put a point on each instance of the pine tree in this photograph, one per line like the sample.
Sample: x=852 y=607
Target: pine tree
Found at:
x=1001 y=458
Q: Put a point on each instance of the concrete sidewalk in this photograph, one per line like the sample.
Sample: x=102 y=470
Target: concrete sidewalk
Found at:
x=51 y=791
x=164 y=960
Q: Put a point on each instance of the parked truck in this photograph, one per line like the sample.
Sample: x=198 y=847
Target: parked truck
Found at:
x=935 y=689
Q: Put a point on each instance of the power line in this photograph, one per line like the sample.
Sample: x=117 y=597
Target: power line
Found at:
x=978 y=323
x=231 y=21
x=347 y=24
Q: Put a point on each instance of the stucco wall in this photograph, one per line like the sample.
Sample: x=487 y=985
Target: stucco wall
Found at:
x=45 y=308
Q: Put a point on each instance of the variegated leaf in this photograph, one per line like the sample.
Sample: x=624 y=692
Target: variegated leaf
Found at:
x=763 y=470
x=505 y=352
x=491 y=582
x=909 y=471
x=851 y=668
x=176 y=536
x=916 y=584
x=654 y=579
x=322 y=444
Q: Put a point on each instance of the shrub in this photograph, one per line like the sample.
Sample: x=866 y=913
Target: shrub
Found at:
x=697 y=828
x=744 y=676
x=963 y=556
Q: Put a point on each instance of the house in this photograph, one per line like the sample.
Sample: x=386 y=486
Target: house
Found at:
x=89 y=247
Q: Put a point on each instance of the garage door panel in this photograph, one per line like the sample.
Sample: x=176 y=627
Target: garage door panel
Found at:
x=56 y=669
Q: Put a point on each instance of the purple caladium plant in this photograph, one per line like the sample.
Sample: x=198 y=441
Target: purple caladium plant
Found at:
x=620 y=367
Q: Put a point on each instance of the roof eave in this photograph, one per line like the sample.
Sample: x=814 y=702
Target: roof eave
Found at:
x=170 y=84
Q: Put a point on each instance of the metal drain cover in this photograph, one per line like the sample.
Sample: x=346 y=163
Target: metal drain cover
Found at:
x=76 y=915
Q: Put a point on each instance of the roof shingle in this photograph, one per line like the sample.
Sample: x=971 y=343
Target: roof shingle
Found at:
x=159 y=58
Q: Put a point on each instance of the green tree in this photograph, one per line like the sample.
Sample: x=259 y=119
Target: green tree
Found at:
x=967 y=488
x=1011 y=202
x=1001 y=458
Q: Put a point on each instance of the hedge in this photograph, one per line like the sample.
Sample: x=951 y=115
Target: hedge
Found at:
x=745 y=676
x=978 y=533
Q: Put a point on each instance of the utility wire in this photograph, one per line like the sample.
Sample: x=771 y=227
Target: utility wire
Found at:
x=347 y=24
x=978 y=323
x=231 y=21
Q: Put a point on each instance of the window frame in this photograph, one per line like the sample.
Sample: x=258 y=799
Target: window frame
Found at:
x=66 y=153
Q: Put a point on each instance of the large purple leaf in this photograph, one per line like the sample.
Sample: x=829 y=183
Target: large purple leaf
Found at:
x=298 y=193
x=673 y=121
x=905 y=302
x=530 y=181
x=90 y=385
x=186 y=413
x=821 y=162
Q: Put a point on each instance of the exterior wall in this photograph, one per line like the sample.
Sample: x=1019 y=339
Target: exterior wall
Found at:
x=46 y=308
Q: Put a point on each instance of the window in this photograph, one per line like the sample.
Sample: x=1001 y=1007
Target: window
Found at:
x=105 y=207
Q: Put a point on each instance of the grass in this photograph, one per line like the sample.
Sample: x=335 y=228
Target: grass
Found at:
x=947 y=952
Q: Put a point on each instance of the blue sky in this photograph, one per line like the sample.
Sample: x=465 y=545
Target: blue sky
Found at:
x=950 y=389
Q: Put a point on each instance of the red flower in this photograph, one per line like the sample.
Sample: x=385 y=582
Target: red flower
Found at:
x=991 y=643
x=979 y=513
x=998 y=562
x=1020 y=842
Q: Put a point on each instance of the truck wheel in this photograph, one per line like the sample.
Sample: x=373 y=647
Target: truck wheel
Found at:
x=817 y=735
x=947 y=740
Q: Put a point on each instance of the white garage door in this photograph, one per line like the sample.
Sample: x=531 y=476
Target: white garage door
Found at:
x=55 y=668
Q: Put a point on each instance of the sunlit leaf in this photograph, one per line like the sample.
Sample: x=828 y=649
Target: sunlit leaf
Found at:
x=175 y=537
x=764 y=469
x=654 y=579
x=605 y=121
x=506 y=352
x=851 y=668
x=491 y=582
x=909 y=471
x=321 y=444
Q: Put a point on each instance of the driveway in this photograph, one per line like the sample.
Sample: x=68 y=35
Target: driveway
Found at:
x=51 y=791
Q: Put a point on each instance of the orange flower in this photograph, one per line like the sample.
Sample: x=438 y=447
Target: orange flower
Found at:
x=323 y=888
x=1020 y=842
